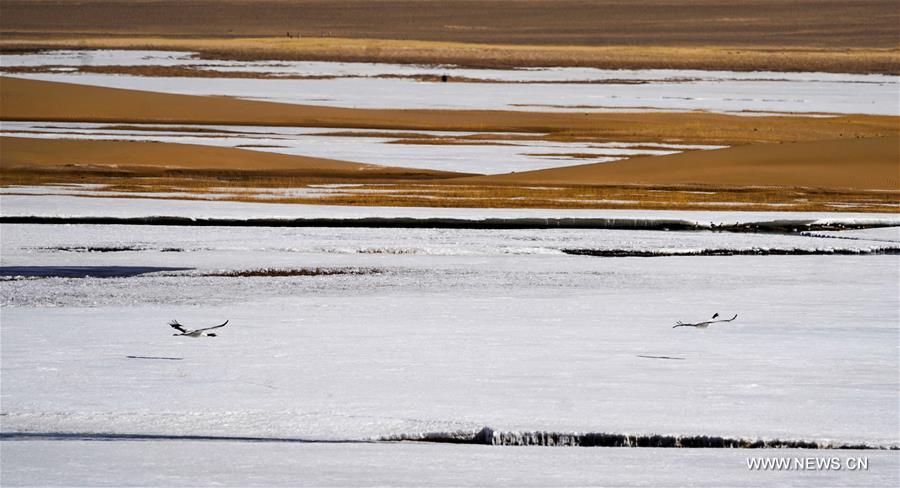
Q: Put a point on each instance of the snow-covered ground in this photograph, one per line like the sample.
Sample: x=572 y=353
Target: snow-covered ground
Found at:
x=658 y=89
x=488 y=156
x=148 y=463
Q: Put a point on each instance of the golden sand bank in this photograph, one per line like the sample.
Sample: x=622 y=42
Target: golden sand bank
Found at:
x=872 y=163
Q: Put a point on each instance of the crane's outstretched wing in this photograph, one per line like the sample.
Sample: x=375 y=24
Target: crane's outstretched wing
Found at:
x=175 y=325
x=725 y=320
x=213 y=327
x=704 y=324
x=698 y=324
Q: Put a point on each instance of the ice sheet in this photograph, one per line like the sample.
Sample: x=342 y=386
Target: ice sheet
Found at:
x=73 y=206
x=886 y=234
x=458 y=329
x=36 y=463
x=713 y=94
x=71 y=245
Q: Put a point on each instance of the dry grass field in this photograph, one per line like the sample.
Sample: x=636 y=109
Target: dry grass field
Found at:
x=266 y=188
x=800 y=35
x=711 y=57
x=772 y=23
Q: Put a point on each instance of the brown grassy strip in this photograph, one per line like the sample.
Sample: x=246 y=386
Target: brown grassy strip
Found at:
x=187 y=129
x=734 y=57
x=570 y=155
x=435 y=193
x=48 y=101
x=636 y=198
x=446 y=141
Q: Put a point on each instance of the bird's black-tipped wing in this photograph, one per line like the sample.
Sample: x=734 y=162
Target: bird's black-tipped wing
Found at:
x=214 y=327
x=175 y=325
x=724 y=320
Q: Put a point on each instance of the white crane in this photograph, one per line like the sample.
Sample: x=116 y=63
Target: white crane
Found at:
x=703 y=325
x=196 y=332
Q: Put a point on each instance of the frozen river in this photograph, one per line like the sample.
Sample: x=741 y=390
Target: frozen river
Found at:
x=358 y=334
x=429 y=330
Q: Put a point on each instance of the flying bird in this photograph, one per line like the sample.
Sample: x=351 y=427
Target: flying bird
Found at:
x=703 y=325
x=196 y=332
x=715 y=315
